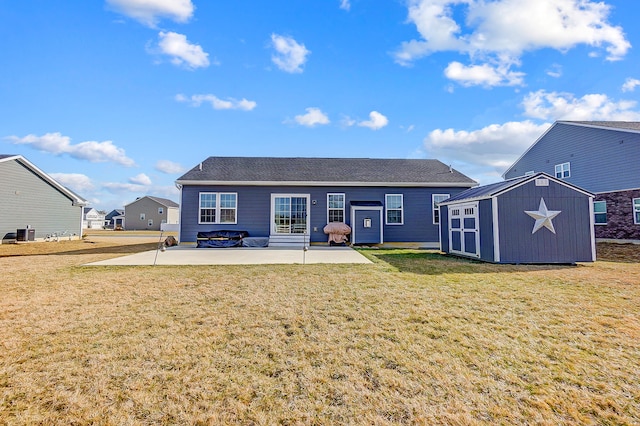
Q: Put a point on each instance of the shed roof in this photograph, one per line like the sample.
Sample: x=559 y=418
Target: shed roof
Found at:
x=495 y=189
x=324 y=171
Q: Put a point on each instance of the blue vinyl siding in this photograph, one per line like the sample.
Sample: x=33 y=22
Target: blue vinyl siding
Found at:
x=485 y=219
x=572 y=240
x=444 y=229
x=367 y=235
x=602 y=160
x=254 y=209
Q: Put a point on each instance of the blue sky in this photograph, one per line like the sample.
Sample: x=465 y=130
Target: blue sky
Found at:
x=117 y=98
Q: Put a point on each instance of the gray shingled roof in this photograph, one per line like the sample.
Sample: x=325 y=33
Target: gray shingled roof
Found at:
x=323 y=170
x=166 y=202
x=619 y=125
x=488 y=191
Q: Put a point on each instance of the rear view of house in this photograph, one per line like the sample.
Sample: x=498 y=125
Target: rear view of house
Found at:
x=149 y=213
x=291 y=200
x=603 y=157
x=34 y=201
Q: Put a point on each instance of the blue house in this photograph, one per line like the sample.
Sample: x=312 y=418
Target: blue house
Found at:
x=291 y=200
x=530 y=219
x=602 y=157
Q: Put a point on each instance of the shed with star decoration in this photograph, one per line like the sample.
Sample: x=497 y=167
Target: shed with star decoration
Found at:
x=529 y=219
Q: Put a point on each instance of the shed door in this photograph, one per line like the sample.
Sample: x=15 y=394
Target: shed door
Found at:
x=463 y=229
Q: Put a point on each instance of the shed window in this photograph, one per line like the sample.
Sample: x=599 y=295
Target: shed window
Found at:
x=435 y=199
x=218 y=207
x=335 y=208
x=636 y=211
x=393 y=203
x=600 y=212
x=150 y=223
x=563 y=170
x=160 y=210
x=142 y=216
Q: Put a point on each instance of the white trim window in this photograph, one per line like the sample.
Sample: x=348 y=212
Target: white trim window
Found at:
x=563 y=170
x=394 y=209
x=150 y=222
x=600 y=212
x=142 y=216
x=335 y=208
x=435 y=199
x=218 y=207
x=636 y=211
x=160 y=210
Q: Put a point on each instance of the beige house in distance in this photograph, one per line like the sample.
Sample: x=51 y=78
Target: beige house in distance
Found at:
x=149 y=213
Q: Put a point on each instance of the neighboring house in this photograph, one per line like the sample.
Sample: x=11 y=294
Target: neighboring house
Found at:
x=150 y=213
x=530 y=219
x=92 y=218
x=114 y=219
x=34 y=200
x=291 y=200
x=603 y=157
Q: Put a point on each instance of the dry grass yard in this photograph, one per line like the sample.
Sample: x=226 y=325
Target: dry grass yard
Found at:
x=415 y=338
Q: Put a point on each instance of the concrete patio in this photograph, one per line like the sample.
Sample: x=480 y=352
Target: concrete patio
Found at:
x=238 y=256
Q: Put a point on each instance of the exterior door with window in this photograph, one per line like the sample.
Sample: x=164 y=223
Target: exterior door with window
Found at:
x=464 y=230
x=289 y=214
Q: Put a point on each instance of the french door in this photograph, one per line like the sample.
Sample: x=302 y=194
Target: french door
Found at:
x=290 y=213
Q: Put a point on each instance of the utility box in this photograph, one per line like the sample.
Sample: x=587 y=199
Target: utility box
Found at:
x=26 y=234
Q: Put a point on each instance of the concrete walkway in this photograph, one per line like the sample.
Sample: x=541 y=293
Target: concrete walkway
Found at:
x=238 y=256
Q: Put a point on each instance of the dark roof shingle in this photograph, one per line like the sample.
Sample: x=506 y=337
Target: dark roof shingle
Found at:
x=323 y=170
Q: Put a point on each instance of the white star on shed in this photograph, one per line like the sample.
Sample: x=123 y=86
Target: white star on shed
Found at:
x=543 y=217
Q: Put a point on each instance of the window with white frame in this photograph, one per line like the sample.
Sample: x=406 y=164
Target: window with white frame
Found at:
x=600 y=212
x=160 y=210
x=563 y=170
x=435 y=199
x=150 y=223
x=142 y=216
x=218 y=207
x=335 y=208
x=636 y=211
x=393 y=204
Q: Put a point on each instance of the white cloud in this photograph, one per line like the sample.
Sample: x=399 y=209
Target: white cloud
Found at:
x=181 y=51
x=140 y=179
x=630 y=84
x=149 y=12
x=483 y=75
x=555 y=71
x=565 y=106
x=500 y=31
x=169 y=167
x=312 y=118
x=217 y=103
x=290 y=55
x=376 y=121
x=56 y=144
x=490 y=150
x=74 y=181
x=345 y=5
x=117 y=187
